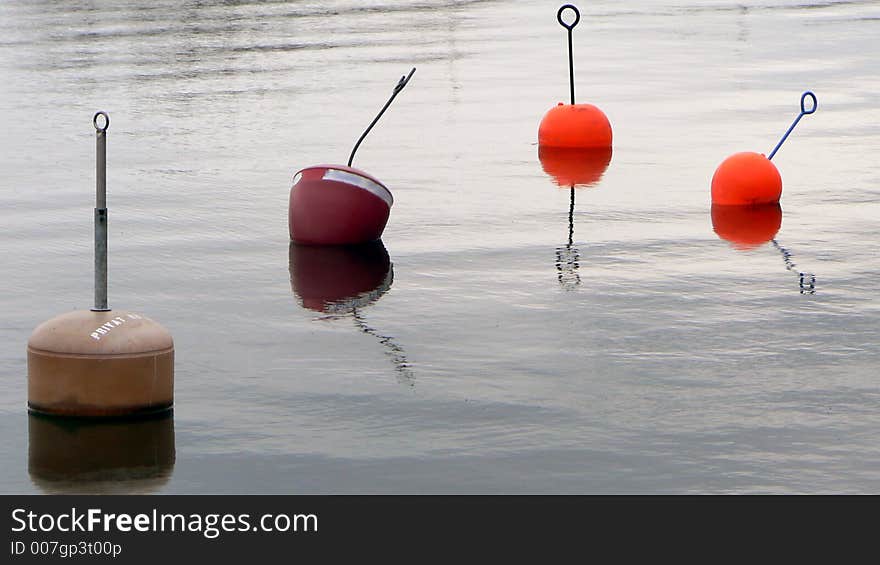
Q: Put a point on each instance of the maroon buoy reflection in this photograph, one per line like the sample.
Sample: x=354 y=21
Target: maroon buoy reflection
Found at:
x=342 y=280
x=339 y=279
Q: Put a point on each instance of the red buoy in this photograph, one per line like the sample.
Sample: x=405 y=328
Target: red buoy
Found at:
x=746 y=178
x=747 y=227
x=338 y=204
x=574 y=167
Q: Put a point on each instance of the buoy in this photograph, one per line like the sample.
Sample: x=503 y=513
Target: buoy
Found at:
x=75 y=455
x=574 y=125
x=339 y=279
x=747 y=227
x=338 y=204
x=750 y=178
x=746 y=178
x=100 y=362
x=574 y=167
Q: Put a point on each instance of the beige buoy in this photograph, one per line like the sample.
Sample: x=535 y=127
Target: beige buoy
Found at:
x=75 y=455
x=100 y=362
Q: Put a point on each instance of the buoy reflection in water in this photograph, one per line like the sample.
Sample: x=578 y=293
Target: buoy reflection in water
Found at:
x=337 y=279
x=568 y=256
x=574 y=167
x=343 y=280
x=68 y=456
x=748 y=227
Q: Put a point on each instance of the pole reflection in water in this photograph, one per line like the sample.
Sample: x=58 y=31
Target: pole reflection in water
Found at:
x=568 y=257
x=749 y=227
x=806 y=281
x=71 y=456
x=342 y=280
x=572 y=168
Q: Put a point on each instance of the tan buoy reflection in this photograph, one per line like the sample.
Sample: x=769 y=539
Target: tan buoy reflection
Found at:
x=339 y=281
x=91 y=456
x=749 y=227
x=572 y=168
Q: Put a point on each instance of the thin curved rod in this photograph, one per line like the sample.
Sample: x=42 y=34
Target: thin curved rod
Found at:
x=400 y=84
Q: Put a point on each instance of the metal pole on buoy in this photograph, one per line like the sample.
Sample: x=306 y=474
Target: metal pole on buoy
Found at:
x=101 y=212
x=804 y=112
x=397 y=88
x=570 y=28
x=98 y=363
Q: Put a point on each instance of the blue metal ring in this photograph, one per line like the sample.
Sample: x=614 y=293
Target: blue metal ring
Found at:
x=815 y=102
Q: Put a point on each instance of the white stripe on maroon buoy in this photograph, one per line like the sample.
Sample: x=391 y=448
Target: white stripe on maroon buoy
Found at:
x=361 y=182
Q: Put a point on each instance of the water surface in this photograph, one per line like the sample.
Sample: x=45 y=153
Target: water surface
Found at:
x=509 y=335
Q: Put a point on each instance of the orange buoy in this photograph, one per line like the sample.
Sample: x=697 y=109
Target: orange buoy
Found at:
x=746 y=178
x=747 y=227
x=100 y=362
x=573 y=166
x=575 y=125
x=750 y=178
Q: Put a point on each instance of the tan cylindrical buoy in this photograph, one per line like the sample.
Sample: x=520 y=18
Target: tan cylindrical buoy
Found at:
x=112 y=363
x=100 y=362
x=77 y=456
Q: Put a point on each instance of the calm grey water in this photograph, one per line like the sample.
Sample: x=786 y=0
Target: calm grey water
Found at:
x=487 y=355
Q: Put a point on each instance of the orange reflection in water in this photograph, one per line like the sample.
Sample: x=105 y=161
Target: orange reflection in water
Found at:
x=574 y=167
x=747 y=227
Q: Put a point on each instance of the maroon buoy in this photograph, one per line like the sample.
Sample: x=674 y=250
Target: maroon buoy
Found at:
x=338 y=204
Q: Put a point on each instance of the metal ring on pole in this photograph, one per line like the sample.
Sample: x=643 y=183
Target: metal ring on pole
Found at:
x=577 y=17
x=803 y=113
x=106 y=121
x=804 y=96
